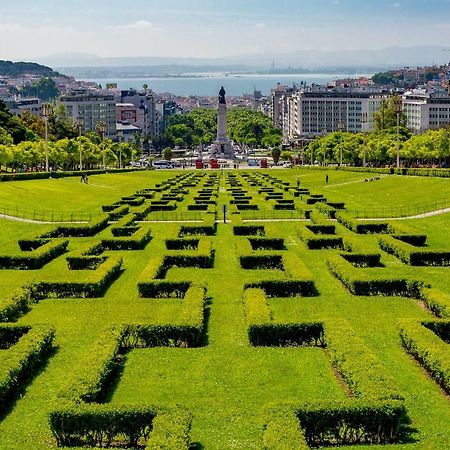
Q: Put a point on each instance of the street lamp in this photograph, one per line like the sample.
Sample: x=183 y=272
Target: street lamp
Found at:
x=101 y=128
x=398 y=105
x=341 y=128
x=364 y=122
x=80 y=125
x=46 y=109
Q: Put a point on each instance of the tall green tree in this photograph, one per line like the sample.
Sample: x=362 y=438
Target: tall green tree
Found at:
x=12 y=124
x=45 y=89
x=386 y=116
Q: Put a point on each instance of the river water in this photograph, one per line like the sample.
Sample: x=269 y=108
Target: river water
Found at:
x=209 y=85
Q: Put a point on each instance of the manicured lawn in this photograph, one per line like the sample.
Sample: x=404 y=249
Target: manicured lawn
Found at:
x=225 y=383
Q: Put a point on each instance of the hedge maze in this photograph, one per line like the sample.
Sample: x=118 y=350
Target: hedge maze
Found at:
x=164 y=324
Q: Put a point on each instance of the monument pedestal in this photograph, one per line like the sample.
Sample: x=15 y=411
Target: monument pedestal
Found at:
x=222 y=147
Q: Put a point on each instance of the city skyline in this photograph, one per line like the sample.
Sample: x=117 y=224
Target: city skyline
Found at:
x=169 y=28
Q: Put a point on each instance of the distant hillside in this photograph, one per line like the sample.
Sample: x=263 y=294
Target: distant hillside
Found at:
x=16 y=69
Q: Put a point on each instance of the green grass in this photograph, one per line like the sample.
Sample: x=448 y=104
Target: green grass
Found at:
x=226 y=383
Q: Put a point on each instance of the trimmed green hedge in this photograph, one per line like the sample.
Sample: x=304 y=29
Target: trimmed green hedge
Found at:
x=125 y=227
x=267 y=244
x=16 y=304
x=96 y=283
x=182 y=244
x=363 y=227
x=316 y=241
x=282 y=431
x=359 y=282
x=414 y=256
x=437 y=302
x=105 y=425
x=27 y=349
x=363 y=373
x=429 y=349
x=79 y=419
x=417 y=240
x=78 y=230
x=28 y=245
x=359 y=253
x=441 y=173
x=150 y=282
x=322 y=229
x=136 y=200
x=249 y=230
x=353 y=423
x=318 y=218
x=171 y=430
x=163 y=289
x=101 y=425
x=261 y=262
x=138 y=241
x=286 y=334
x=85 y=262
x=119 y=212
x=35 y=259
x=208 y=229
x=376 y=416
x=285 y=288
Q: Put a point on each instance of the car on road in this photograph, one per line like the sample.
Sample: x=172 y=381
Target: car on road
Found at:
x=162 y=165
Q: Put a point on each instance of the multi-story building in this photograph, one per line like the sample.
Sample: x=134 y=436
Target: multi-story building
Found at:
x=278 y=104
x=146 y=116
x=32 y=105
x=166 y=110
x=92 y=109
x=313 y=111
x=127 y=132
x=426 y=109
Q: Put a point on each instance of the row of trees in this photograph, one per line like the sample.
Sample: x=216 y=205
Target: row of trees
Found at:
x=22 y=144
x=381 y=146
x=432 y=147
x=245 y=126
x=65 y=154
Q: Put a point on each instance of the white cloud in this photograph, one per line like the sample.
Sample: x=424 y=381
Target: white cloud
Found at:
x=138 y=25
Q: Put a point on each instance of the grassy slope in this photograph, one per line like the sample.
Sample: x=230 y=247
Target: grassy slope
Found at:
x=68 y=194
x=389 y=192
x=226 y=383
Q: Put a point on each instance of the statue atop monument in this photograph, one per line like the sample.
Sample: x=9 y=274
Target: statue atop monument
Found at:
x=222 y=93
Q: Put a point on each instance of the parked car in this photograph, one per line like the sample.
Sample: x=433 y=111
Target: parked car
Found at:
x=162 y=165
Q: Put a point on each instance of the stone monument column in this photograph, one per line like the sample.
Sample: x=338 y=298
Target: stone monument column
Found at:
x=222 y=123
x=222 y=147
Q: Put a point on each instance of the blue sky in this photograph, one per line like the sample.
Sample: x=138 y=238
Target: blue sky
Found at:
x=206 y=28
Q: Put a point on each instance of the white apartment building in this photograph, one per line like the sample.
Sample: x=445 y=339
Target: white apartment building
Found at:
x=92 y=108
x=426 y=110
x=314 y=111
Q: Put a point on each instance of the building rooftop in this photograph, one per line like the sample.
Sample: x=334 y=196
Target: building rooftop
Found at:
x=126 y=127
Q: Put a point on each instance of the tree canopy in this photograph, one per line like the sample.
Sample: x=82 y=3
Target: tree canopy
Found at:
x=45 y=89
x=245 y=126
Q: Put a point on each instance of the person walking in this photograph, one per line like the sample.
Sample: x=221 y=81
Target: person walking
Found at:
x=326 y=178
x=298 y=182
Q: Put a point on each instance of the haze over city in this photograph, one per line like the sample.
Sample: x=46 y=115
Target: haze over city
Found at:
x=212 y=29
